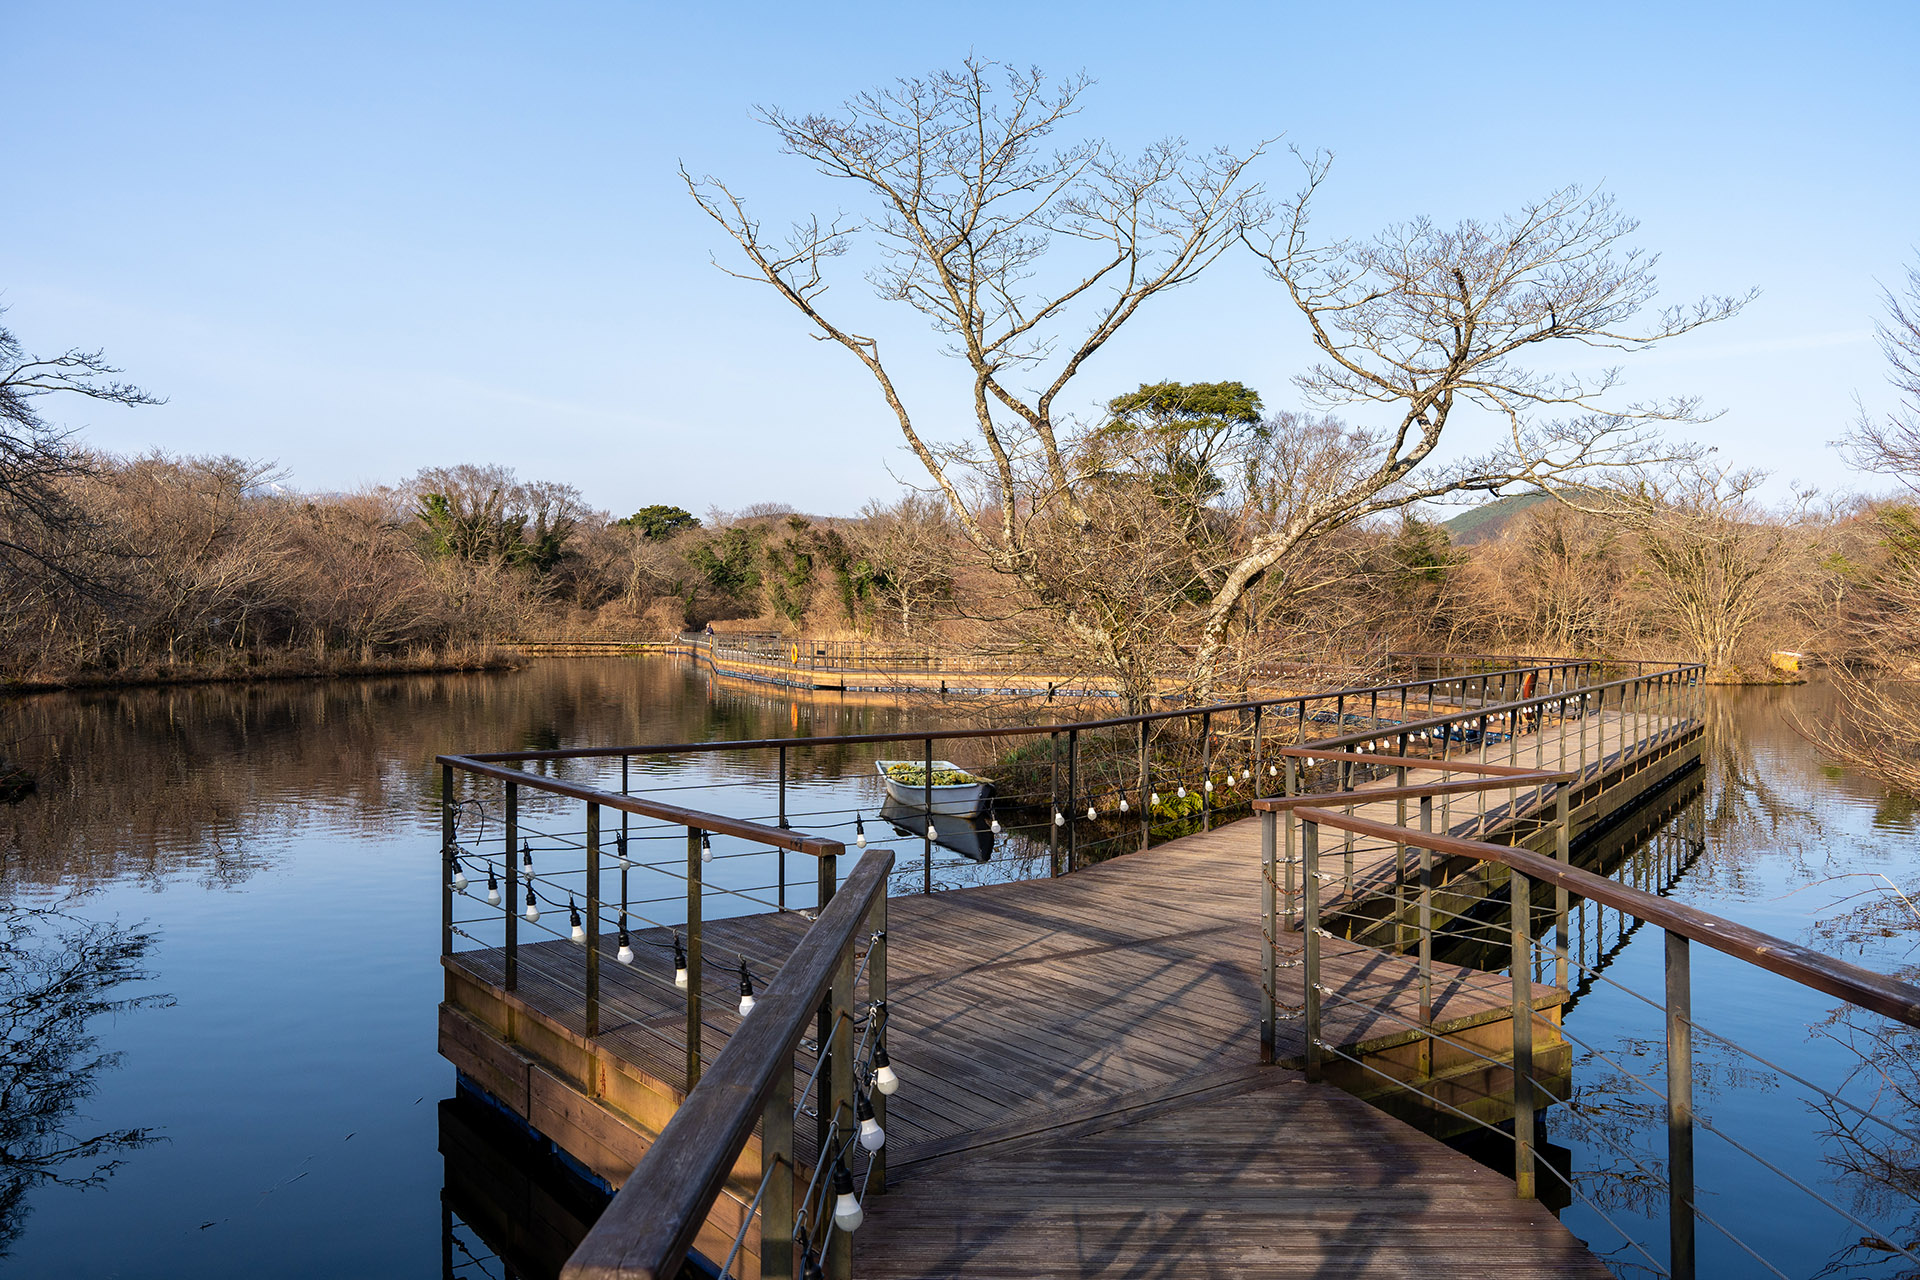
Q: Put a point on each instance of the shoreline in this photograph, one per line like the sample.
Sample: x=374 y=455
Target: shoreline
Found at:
x=492 y=663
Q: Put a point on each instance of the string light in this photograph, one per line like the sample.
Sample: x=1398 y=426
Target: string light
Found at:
x=872 y=1136
x=1123 y=804
x=1059 y=818
x=859 y=831
x=622 y=840
x=706 y=847
x=885 y=1079
x=1092 y=813
x=1209 y=786
x=573 y=918
x=933 y=832
x=459 y=874
x=1273 y=771
x=1154 y=799
x=533 y=908
x=493 y=888
x=746 y=989
x=1246 y=775
x=625 y=954
x=993 y=822
x=526 y=855
x=1180 y=792
x=679 y=964
x=847 y=1214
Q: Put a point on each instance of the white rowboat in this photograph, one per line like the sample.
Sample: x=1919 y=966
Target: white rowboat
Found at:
x=958 y=800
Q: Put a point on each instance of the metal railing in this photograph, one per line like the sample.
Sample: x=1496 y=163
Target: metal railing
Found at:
x=1302 y=895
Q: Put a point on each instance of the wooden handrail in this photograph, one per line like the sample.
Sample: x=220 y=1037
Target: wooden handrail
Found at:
x=1863 y=987
x=1520 y=778
x=945 y=735
x=1416 y=762
x=696 y=819
x=647 y=1229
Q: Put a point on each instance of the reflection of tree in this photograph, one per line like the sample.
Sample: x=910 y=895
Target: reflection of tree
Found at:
x=57 y=974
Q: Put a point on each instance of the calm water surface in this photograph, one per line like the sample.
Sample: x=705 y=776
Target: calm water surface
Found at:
x=280 y=842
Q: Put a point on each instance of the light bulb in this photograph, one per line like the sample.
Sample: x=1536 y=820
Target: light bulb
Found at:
x=706 y=847
x=933 y=832
x=1273 y=771
x=1059 y=818
x=459 y=877
x=1123 y=804
x=872 y=1136
x=533 y=908
x=1209 y=784
x=625 y=954
x=994 y=826
x=679 y=964
x=1245 y=774
x=847 y=1214
x=1092 y=813
x=1154 y=798
x=622 y=840
x=1181 y=791
x=885 y=1079
x=493 y=889
x=579 y=933
x=859 y=831
x=526 y=854
x=746 y=990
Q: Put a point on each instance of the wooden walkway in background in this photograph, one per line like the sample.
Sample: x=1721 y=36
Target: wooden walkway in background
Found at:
x=1082 y=1092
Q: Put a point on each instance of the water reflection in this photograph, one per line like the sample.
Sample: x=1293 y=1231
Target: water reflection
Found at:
x=59 y=974
x=511 y=1206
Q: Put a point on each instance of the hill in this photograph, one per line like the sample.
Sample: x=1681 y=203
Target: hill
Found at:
x=1488 y=520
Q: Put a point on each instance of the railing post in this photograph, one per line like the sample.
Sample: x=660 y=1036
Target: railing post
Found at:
x=838 y=1079
x=693 y=957
x=1562 y=851
x=1270 y=927
x=593 y=920
x=1292 y=825
x=512 y=904
x=1310 y=940
x=1259 y=779
x=926 y=808
x=1053 y=803
x=1146 y=790
x=447 y=856
x=1679 y=1109
x=1520 y=895
x=1206 y=770
x=877 y=1010
x=1426 y=940
x=783 y=786
x=1073 y=794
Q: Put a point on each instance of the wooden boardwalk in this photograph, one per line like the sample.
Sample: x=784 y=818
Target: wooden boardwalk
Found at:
x=1081 y=1090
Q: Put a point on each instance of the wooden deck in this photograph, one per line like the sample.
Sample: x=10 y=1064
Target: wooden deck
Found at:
x=1081 y=1090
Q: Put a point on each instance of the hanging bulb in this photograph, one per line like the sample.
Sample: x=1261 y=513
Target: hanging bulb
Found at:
x=746 y=990
x=933 y=832
x=859 y=831
x=885 y=1079
x=1209 y=786
x=706 y=847
x=679 y=964
x=625 y=954
x=573 y=917
x=1273 y=771
x=526 y=854
x=872 y=1136
x=1092 y=813
x=1059 y=818
x=810 y=1269
x=1154 y=799
x=1246 y=774
x=493 y=889
x=847 y=1214
x=1181 y=791
x=993 y=822
x=533 y=908
x=1123 y=804
x=624 y=864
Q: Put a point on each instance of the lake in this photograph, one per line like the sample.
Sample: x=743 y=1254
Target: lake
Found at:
x=260 y=863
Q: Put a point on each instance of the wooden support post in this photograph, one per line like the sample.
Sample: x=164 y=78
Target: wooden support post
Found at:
x=783 y=786
x=1520 y=891
x=776 y=1204
x=1206 y=771
x=593 y=921
x=1259 y=778
x=1270 y=929
x=1562 y=851
x=512 y=904
x=1680 y=1189
x=1426 y=941
x=693 y=958
x=1310 y=941
x=1292 y=830
x=1053 y=804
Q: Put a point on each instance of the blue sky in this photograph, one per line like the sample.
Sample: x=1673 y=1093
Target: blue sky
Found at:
x=364 y=239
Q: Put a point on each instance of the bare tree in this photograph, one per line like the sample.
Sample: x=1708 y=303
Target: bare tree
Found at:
x=1004 y=245
x=1890 y=445
x=40 y=529
x=1422 y=321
